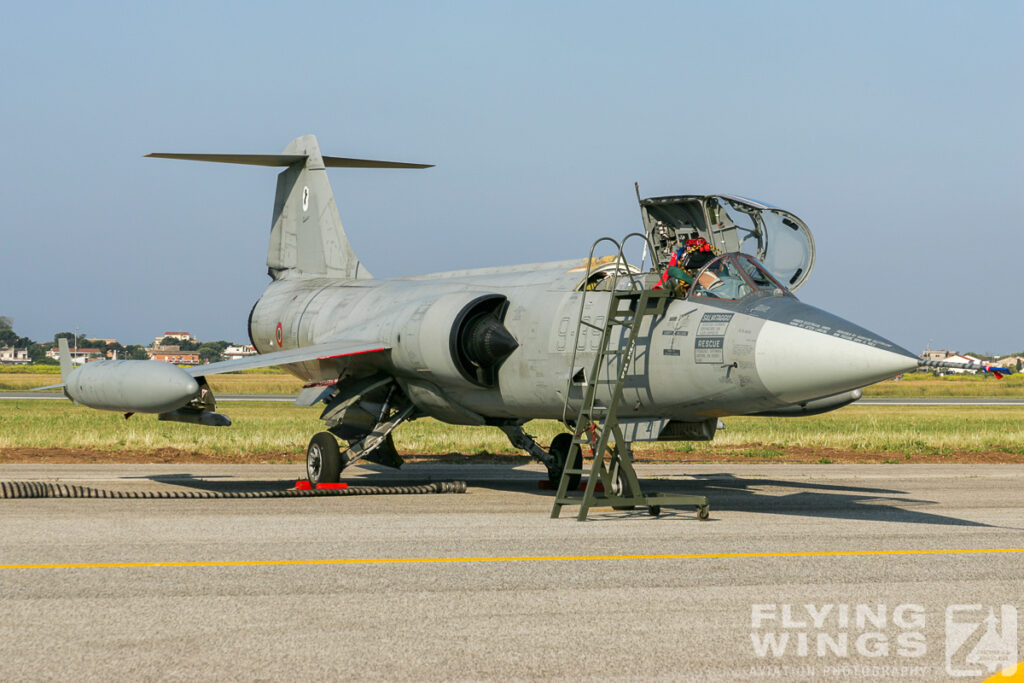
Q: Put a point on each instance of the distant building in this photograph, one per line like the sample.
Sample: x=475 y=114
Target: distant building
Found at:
x=1010 y=362
x=176 y=357
x=158 y=348
x=962 y=358
x=233 y=352
x=107 y=342
x=180 y=336
x=78 y=355
x=12 y=356
x=930 y=354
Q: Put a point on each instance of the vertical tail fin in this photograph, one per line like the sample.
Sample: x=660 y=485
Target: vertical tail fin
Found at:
x=306 y=236
x=65 y=359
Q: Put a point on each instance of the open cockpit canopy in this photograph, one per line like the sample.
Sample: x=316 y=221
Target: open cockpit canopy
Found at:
x=776 y=238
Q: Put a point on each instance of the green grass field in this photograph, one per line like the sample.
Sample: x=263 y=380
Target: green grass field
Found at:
x=249 y=382
x=276 y=431
x=923 y=385
x=280 y=431
x=917 y=385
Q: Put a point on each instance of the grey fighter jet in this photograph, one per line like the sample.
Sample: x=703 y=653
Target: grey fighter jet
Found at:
x=502 y=346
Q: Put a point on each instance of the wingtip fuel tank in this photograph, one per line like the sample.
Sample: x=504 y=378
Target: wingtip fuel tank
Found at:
x=131 y=386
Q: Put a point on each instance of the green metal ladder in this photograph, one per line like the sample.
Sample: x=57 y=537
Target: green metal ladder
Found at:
x=596 y=426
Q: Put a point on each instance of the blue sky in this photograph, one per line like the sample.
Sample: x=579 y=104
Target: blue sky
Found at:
x=895 y=130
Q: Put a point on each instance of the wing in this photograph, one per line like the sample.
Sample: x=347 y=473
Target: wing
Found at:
x=325 y=351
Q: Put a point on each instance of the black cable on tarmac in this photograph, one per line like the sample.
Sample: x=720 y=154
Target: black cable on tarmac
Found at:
x=44 y=489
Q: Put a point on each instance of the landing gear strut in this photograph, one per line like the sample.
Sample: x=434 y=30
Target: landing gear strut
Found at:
x=554 y=458
x=324 y=459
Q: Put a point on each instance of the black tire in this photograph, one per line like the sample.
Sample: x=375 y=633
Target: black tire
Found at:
x=703 y=512
x=654 y=510
x=559 y=450
x=324 y=460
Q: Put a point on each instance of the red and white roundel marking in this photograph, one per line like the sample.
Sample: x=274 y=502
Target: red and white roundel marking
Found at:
x=279 y=335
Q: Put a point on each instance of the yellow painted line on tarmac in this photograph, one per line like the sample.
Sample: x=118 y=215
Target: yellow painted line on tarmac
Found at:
x=538 y=558
x=1010 y=673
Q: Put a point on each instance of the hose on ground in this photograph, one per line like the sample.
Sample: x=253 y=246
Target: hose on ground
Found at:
x=45 y=489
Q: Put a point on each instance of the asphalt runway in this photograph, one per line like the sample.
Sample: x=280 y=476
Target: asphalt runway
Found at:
x=37 y=395
x=864 y=561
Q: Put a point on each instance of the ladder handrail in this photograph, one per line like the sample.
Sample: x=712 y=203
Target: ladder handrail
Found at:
x=635 y=284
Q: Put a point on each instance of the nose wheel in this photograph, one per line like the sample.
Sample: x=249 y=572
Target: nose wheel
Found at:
x=559 y=450
x=324 y=459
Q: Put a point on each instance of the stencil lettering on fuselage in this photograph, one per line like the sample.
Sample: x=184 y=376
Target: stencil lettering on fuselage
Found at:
x=709 y=344
x=709 y=350
x=713 y=324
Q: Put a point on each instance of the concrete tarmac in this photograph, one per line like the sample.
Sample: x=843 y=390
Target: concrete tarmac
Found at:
x=849 y=571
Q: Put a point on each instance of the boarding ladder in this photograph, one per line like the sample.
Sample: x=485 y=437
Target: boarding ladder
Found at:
x=631 y=301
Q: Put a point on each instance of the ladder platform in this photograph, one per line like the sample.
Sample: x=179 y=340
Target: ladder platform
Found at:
x=642 y=500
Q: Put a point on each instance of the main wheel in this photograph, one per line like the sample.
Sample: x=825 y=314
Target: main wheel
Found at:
x=324 y=460
x=559 y=450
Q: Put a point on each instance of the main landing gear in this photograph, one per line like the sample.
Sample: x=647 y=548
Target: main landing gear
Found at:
x=324 y=459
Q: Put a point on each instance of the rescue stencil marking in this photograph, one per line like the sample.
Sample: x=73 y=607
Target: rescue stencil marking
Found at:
x=709 y=350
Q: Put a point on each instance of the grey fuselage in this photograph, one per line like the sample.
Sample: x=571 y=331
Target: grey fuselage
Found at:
x=703 y=358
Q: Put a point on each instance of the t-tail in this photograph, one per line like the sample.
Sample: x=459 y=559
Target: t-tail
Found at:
x=306 y=237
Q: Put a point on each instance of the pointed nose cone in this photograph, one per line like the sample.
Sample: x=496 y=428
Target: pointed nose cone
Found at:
x=817 y=354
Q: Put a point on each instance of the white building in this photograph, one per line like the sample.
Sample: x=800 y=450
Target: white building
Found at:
x=11 y=356
x=233 y=352
x=962 y=358
x=180 y=336
x=1010 y=362
x=937 y=354
x=78 y=356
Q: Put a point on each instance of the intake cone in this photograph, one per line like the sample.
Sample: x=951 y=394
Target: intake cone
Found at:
x=486 y=342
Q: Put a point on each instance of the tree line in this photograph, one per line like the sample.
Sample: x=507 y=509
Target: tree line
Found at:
x=209 y=352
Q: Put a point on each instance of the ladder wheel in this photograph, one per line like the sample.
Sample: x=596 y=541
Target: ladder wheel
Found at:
x=703 y=512
x=654 y=510
x=559 y=450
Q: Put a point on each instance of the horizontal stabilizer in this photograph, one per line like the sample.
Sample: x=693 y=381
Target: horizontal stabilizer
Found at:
x=48 y=387
x=286 y=160
x=325 y=351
